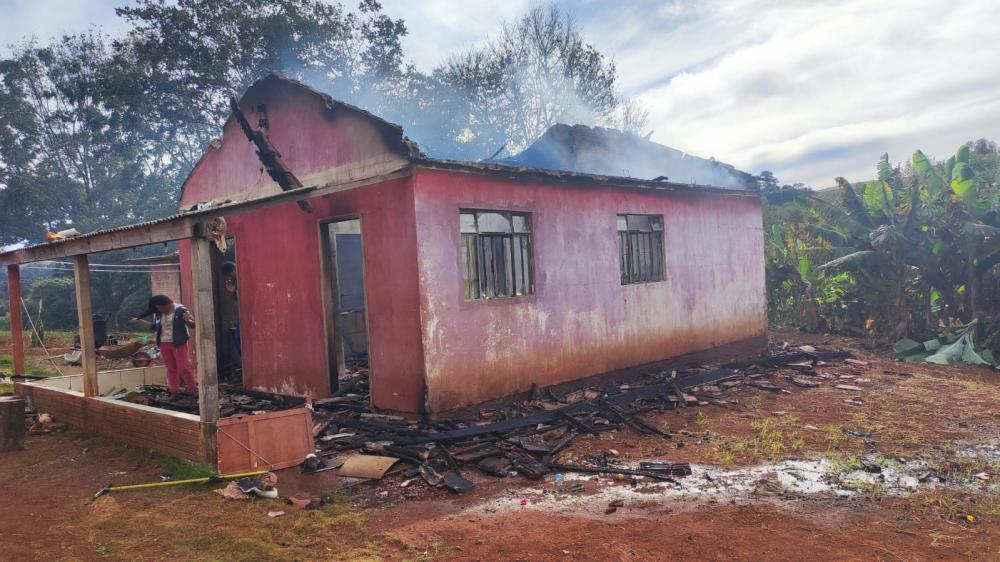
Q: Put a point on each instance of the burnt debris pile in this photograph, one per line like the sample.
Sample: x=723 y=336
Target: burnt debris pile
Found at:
x=233 y=400
x=526 y=437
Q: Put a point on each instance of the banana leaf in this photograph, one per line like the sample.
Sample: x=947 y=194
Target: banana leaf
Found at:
x=958 y=348
x=980 y=230
x=906 y=346
x=830 y=235
x=853 y=204
x=914 y=351
x=962 y=180
x=951 y=353
x=935 y=183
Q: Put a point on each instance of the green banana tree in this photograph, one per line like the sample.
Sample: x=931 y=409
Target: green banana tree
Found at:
x=876 y=230
x=966 y=232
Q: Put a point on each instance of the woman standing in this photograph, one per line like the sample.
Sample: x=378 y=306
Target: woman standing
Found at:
x=171 y=322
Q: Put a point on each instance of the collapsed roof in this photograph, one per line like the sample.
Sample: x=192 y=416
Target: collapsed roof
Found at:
x=609 y=152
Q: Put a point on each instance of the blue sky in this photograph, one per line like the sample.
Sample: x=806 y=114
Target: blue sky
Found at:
x=810 y=89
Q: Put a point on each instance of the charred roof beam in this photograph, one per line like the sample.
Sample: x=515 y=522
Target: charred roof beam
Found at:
x=269 y=156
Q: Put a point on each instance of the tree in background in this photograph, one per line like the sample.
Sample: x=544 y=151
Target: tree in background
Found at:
x=97 y=132
x=181 y=61
x=69 y=157
x=536 y=72
x=920 y=246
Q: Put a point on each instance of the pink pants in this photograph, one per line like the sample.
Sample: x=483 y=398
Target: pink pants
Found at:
x=176 y=360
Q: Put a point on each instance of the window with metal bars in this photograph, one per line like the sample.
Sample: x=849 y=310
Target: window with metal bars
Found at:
x=496 y=254
x=640 y=248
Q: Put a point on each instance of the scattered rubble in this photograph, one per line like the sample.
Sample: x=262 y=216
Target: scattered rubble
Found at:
x=790 y=479
x=523 y=437
x=526 y=437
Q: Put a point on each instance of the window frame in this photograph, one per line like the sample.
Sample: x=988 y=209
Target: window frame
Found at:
x=641 y=252
x=517 y=247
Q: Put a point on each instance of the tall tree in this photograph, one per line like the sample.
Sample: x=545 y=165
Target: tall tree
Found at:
x=181 y=61
x=536 y=72
x=67 y=158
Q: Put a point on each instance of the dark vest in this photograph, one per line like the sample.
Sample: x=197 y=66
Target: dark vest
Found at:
x=180 y=328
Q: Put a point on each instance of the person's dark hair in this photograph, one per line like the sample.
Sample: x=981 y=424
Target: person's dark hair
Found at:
x=228 y=268
x=154 y=301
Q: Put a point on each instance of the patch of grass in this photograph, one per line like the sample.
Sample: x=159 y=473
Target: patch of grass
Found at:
x=182 y=469
x=33 y=366
x=956 y=506
x=6 y=389
x=203 y=526
x=872 y=489
x=771 y=439
x=840 y=463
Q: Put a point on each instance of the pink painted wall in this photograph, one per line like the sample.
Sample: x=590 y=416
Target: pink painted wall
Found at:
x=429 y=347
x=278 y=249
x=319 y=144
x=281 y=299
x=581 y=321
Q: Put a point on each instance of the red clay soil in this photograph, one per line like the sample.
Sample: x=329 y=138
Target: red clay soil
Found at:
x=748 y=532
x=46 y=513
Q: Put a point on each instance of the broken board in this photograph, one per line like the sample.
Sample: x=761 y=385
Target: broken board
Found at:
x=367 y=466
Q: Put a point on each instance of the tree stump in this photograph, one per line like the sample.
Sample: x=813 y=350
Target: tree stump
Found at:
x=11 y=424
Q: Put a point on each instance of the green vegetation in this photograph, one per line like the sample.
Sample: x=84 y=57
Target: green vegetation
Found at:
x=907 y=254
x=33 y=366
x=770 y=439
x=181 y=469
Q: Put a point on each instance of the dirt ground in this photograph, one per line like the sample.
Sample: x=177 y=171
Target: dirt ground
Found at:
x=738 y=504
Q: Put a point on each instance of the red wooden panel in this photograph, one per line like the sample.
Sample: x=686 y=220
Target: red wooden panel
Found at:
x=270 y=440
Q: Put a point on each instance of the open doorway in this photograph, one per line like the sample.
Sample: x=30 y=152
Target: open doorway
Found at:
x=344 y=292
x=229 y=348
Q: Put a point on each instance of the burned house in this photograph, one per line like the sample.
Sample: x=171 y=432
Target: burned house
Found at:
x=591 y=252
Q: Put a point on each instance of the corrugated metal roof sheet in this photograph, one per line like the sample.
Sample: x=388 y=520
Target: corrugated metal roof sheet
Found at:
x=222 y=209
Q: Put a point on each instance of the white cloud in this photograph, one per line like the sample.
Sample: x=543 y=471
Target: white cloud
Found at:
x=52 y=18
x=440 y=28
x=808 y=89
x=817 y=90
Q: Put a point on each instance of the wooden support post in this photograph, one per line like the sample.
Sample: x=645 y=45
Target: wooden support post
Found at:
x=85 y=319
x=207 y=368
x=16 y=334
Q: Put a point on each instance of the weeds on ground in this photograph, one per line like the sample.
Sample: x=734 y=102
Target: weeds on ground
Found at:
x=181 y=469
x=770 y=440
x=34 y=367
x=959 y=467
x=952 y=505
x=755 y=401
x=204 y=526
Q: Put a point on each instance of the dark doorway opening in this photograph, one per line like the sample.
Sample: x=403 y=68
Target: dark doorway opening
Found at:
x=227 y=314
x=344 y=292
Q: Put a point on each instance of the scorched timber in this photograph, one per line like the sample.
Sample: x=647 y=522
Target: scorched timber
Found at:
x=402 y=436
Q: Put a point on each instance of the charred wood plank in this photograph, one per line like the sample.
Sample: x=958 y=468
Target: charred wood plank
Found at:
x=611 y=470
x=579 y=424
x=547 y=416
x=269 y=156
